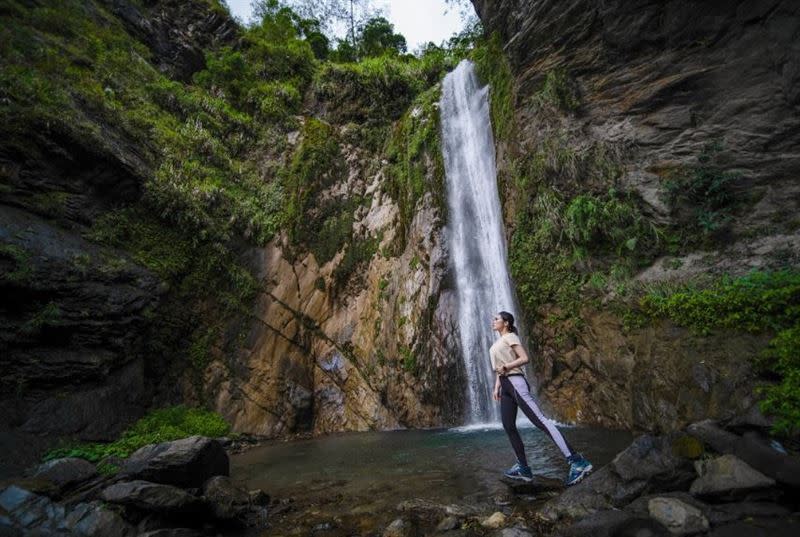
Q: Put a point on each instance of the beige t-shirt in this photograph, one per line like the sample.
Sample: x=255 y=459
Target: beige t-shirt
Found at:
x=502 y=353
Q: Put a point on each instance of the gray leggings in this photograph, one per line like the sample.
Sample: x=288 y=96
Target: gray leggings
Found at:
x=515 y=392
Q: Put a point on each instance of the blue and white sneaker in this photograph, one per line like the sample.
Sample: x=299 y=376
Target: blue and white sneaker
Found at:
x=522 y=473
x=579 y=468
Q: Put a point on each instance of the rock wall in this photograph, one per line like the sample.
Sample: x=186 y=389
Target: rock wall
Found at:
x=654 y=84
x=377 y=351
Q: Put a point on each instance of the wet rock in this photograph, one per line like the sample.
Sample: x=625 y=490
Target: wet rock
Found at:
x=227 y=499
x=66 y=472
x=514 y=532
x=398 y=528
x=259 y=497
x=189 y=462
x=602 y=490
x=152 y=497
x=616 y=523
x=678 y=517
x=496 y=520
x=653 y=459
x=760 y=455
x=730 y=512
x=171 y=532
x=759 y=527
x=426 y=506
x=448 y=523
x=726 y=475
x=537 y=485
x=26 y=513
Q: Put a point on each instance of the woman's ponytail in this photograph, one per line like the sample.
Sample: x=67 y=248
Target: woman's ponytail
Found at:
x=507 y=317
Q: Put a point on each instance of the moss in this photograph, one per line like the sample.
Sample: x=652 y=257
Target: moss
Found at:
x=416 y=162
x=48 y=315
x=358 y=253
x=493 y=68
x=20 y=258
x=757 y=302
x=559 y=91
x=161 y=425
x=687 y=447
x=408 y=360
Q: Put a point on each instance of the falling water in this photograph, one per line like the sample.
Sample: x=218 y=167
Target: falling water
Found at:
x=477 y=243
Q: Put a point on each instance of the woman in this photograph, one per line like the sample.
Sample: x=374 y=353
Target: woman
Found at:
x=512 y=390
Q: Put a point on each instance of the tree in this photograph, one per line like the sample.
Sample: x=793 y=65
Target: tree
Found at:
x=377 y=37
x=350 y=14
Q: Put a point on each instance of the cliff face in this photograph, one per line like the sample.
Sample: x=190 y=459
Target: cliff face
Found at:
x=635 y=106
x=134 y=206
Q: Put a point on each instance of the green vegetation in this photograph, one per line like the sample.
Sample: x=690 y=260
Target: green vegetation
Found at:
x=413 y=149
x=559 y=91
x=20 y=258
x=701 y=196
x=493 y=69
x=161 y=425
x=757 y=302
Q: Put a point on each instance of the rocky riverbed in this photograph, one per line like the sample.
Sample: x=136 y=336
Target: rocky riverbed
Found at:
x=713 y=478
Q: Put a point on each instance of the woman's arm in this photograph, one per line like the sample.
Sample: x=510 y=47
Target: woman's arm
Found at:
x=496 y=392
x=522 y=358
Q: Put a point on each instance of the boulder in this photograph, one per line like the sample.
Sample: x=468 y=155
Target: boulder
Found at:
x=171 y=532
x=496 y=520
x=26 y=513
x=226 y=499
x=514 y=532
x=727 y=475
x=447 y=523
x=398 y=528
x=731 y=512
x=678 y=517
x=602 y=490
x=152 y=497
x=67 y=472
x=656 y=460
x=615 y=523
x=188 y=462
x=751 y=449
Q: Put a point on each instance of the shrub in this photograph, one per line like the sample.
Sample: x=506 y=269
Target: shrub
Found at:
x=161 y=425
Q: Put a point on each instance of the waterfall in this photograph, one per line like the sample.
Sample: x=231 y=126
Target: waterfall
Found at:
x=475 y=231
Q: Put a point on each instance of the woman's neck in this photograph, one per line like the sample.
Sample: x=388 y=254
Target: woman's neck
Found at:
x=504 y=331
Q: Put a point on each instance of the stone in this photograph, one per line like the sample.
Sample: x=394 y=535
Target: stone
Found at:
x=152 y=497
x=25 y=513
x=188 y=462
x=725 y=475
x=448 y=523
x=653 y=459
x=227 y=499
x=615 y=523
x=783 y=468
x=496 y=520
x=514 y=532
x=66 y=472
x=398 y=528
x=678 y=517
x=171 y=532
x=602 y=490
x=788 y=526
x=730 y=512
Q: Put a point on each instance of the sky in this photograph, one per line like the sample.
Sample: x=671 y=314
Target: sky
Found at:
x=419 y=21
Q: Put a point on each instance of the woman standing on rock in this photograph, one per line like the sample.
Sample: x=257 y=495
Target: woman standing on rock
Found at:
x=512 y=390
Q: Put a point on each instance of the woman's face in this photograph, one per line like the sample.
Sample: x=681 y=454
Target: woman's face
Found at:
x=498 y=323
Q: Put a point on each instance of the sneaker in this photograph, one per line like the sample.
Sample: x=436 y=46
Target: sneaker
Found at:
x=578 y=469
x=522 y=473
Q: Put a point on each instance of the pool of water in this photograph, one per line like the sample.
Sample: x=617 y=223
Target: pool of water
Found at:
x=372 y=472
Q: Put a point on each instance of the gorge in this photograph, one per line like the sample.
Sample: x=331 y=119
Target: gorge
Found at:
x=186 y=219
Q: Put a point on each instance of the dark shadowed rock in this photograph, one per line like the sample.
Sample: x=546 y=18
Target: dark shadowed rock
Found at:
x=652 y=459
x=760 y=527
x=171 y=532
x=188 y=462
x=727 y=475
x=615 y=523
x=226 y=499
x=680 y=518
x=752 y=450
x=66 y=472
x=152 y=497
x=25 y=513
x=730 y=512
